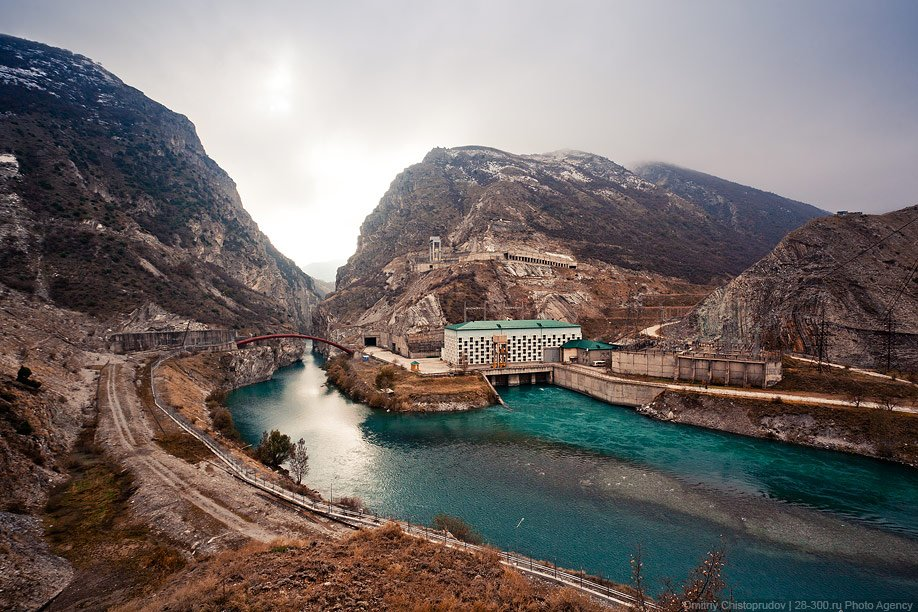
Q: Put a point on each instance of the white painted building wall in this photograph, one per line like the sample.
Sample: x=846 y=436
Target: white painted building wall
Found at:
x=523 y=345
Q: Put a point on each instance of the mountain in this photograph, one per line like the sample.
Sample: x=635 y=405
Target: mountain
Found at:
x=109 y=203
x=857 y=274
x=636 y=245
x=762 y=217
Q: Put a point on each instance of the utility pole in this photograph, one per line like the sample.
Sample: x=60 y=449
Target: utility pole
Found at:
x=889 y=340
x=466 y=308
x=821 y=339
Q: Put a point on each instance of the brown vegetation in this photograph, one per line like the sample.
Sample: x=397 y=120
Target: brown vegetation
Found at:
x=371 y=382
x=370 y=570
x=856 y=387
x=183 y=445
x=88 y=522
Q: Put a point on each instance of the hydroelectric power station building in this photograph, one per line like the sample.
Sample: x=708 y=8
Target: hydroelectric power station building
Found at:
x=497 y=343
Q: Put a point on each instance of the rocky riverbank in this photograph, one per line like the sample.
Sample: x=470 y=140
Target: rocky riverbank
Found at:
x=385 y=386
x=882 y=434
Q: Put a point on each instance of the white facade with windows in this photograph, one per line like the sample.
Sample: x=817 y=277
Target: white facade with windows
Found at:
x=473 y=342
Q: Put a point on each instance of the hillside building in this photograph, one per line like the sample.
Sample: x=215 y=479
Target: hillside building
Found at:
x=496 y=343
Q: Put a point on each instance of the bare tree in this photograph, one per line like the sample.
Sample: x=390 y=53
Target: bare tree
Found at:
x=637 y=578
x=705 y=585
x=299 y=461
x=886 y=400
x=857 y=394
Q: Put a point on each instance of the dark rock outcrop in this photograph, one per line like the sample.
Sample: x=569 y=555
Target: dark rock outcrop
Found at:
x=848 y=283
x=108 y=201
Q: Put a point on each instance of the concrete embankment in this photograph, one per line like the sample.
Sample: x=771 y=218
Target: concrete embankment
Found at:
x=868 y=431
x=600 y=387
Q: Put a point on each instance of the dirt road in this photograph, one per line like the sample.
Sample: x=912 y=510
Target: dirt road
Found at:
x=198 y=505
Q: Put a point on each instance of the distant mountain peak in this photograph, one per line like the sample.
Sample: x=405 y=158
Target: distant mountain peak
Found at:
x=492 y=208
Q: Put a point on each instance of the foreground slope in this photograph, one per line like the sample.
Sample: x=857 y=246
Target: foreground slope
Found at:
x=847 y=282
x=637 y=246
x=108 y=201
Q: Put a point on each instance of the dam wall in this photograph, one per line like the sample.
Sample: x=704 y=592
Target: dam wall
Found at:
x=224 y=339
x=601 y=387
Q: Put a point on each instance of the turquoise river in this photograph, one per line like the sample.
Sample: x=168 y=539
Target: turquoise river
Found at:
x=593 y=482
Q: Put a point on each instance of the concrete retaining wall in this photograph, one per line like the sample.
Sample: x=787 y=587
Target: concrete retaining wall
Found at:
x=145 y=341
x=601 y=388
x=698 y=367
x=657 y=364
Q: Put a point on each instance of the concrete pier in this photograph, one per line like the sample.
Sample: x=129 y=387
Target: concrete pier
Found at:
x=582 y=380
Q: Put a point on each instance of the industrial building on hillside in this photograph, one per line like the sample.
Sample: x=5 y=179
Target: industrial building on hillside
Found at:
x=497 y=343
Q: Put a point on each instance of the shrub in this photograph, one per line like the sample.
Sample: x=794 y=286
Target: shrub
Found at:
x=352 y=503
x=23 y=377
x=457 y=527
x=274 y=448
x=385 y=379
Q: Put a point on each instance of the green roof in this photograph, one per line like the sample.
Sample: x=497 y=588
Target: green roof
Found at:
x=590 y=345
x=512 y=324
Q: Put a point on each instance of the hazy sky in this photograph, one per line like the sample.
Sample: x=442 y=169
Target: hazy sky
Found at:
x=314 y=107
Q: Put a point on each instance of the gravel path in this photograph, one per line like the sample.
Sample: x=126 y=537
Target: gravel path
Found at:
x=199 y=507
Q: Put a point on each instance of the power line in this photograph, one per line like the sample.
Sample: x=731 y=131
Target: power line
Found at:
x=871 y=247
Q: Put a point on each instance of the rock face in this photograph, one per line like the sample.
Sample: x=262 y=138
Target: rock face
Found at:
x=763 y=218
x=109 y=202
x=512 y=228
x=257 y=363
x=849 y=280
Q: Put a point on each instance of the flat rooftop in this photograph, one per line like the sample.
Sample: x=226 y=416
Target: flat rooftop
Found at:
x=511 y=324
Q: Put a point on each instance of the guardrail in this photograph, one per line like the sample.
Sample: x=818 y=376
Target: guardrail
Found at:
x=360 y=520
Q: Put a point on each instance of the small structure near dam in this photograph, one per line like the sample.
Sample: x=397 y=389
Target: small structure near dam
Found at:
x=730 y=369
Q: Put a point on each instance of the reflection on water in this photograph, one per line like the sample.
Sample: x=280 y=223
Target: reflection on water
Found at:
x=593 y=481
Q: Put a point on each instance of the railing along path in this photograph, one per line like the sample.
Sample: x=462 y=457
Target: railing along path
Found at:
x=361 y=520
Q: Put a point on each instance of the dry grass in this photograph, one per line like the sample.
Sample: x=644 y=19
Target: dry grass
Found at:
x=411 y=391
x=88 y=522
x=381 y=569
x=803 y=376
x=182 y=445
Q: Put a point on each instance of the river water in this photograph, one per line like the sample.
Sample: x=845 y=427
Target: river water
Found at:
x=593 y=482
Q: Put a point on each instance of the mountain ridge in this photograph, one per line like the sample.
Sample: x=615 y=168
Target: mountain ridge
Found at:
x=110 y=202
x=485 y=203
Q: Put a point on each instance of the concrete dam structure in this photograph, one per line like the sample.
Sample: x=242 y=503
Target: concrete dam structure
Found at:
x=699 y=367
x=224 y=339
x=581 y=380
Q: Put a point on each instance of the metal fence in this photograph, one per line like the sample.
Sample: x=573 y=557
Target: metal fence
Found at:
x=579 y=581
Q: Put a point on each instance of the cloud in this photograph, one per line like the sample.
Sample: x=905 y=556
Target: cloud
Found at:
x=313 y=108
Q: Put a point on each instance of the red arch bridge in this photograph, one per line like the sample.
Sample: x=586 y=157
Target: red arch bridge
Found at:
x=241 y=343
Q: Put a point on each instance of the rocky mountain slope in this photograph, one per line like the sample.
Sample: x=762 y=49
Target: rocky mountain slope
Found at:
x=636 y=246
x=764 y=218
x=108 y=201
x=847 y=282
